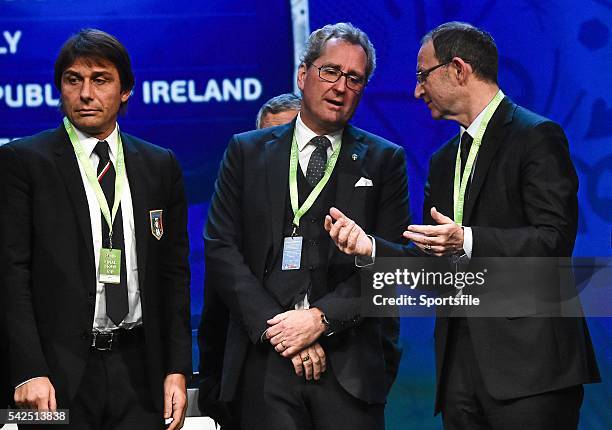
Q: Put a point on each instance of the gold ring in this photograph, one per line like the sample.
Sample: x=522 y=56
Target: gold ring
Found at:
x=283 y=344
x=305 y=359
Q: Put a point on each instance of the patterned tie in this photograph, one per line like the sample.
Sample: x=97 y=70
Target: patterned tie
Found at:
x=116 y=294
x=318 y=160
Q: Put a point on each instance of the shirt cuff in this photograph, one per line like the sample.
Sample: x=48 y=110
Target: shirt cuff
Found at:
x=31 y=379
x=467 y=241
x=362 y=260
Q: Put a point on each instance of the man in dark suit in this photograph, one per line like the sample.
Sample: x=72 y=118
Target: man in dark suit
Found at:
x=93 y=247
x=519 y=187
x=279 y=110
x=298 y=353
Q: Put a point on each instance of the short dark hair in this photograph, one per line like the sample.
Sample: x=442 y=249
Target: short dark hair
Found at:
x=95 y=45
x=345 y=31
x=474 y=46
x=278 y=104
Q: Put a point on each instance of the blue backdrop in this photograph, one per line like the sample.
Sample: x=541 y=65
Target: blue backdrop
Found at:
x=203 y=69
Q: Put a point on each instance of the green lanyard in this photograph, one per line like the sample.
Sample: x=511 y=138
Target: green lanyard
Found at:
x=93 y=179
x=293 y=188
x=461 y=182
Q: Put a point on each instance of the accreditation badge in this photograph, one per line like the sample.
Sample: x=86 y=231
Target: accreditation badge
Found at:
x=292 y=253
x=109 y=269
x=157 y=225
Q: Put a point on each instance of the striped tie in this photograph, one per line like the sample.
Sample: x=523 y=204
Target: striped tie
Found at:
x=116 y=294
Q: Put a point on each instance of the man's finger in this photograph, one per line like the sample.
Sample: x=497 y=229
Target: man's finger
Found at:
x=275 y=340
x=167 y=404
x=292 y=350
x=353 y=238
x=42 y=403
x=177 y=412
x=328 y=223
x=307 y=367
x=439 y=217
x=296 y=360
x=344 y=233
x=316 y=363
x=321 y=353
x=277 y=318
x=426 y=230
x=335 y=213
x=52 y=401
x=273 y=331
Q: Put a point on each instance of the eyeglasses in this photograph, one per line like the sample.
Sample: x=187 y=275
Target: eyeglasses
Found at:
x=423 y=74
x=332 y=74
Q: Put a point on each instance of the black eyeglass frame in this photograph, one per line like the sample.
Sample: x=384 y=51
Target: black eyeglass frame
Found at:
x=341 y=74
x=422 y=75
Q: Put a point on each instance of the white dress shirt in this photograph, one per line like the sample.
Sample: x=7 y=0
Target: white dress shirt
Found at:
x=134 y=316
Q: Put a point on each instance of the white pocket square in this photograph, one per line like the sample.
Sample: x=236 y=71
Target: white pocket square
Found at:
x=364 y=182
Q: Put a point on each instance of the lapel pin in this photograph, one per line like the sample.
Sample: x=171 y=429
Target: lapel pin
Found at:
x=354 y=157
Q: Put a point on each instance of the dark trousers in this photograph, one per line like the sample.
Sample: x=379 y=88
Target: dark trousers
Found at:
x=272 y=397
x=114 y=393
x=466 y=404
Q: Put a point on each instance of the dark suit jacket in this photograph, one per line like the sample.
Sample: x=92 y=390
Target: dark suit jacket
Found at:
x=47 y=261
x=522 y=202
x=243 y=238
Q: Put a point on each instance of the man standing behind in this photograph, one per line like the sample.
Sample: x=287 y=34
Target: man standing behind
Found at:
x=97 y=299
x=298 y=354
x=278 y=110
x=509 y=185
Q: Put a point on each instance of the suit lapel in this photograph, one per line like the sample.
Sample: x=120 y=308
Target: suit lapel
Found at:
x=350 y=161
x=349 y=171
x=137 y=174
x=277 y=154
x=493 y=139
x=69 y=170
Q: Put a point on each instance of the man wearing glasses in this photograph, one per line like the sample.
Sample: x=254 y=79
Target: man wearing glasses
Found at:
x=298 y=353
x=504 y=186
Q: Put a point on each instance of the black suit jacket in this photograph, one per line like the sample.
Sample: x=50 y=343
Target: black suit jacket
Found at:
x=243 y=238
x=47 y=261
x=522 y=202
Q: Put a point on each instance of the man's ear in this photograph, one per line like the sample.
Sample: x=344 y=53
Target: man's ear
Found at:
x=301 y=76
x=461 y=70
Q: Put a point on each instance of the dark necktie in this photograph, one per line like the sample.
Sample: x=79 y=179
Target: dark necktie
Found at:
x=466 y=144
x=116 y=294
x=318 y=160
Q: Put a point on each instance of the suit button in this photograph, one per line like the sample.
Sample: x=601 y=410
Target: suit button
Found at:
x=90 y=296
x=84 y=334
x=312 y=267
x=313 y=220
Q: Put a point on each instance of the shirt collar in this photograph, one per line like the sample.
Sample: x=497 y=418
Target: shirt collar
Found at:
x=303 y=135
x=473 y=128
x=89 y=142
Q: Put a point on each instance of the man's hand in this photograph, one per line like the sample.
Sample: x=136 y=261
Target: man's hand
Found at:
x=292 y=331
x=446 y=238
x=347 y=235
x=175 y=399
x=310 y=361
x=36 y=394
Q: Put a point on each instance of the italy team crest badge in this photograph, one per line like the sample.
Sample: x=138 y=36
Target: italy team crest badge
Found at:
x=157 y=225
